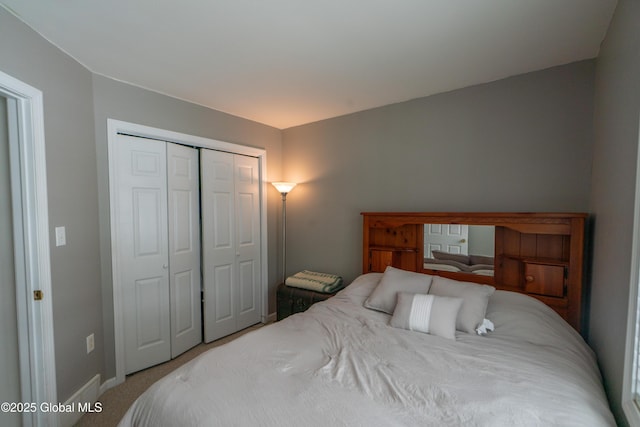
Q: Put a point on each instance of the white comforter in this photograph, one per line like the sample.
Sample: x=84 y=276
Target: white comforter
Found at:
x=340 y=364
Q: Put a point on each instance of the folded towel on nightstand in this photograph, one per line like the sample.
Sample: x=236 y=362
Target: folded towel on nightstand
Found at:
x=319 y=282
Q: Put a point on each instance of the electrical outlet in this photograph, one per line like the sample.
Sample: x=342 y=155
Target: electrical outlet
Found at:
x=90 y=344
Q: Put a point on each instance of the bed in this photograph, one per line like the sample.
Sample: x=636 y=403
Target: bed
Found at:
x=344 y=363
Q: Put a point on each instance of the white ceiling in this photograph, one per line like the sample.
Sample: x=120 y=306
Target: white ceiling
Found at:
x=290 y=62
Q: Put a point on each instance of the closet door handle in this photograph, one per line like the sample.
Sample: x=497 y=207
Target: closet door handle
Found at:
x=165 y=266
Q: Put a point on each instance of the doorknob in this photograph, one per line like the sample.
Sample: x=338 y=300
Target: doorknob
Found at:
x=165 y=266
x=463 y=241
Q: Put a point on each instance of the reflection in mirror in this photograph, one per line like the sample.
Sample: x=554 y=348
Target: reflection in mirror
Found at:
x=459 y=248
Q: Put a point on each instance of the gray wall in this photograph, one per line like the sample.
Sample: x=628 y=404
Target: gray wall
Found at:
x=131 y=104
x=519 y=144
x=77 y=104
x=72 y=192
x=482 y=240
x=617 y=108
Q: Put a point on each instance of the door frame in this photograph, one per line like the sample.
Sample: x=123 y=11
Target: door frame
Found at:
x=35 y=318
x=115 y=127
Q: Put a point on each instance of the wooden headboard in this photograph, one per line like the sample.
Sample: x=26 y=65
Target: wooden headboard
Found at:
x=538 y=254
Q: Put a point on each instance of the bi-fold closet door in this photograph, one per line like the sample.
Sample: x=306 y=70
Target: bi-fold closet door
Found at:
x=231 y=252
x=158 y=252
x=188 y=246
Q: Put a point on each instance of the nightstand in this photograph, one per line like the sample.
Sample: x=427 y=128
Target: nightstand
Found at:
x=292 y=300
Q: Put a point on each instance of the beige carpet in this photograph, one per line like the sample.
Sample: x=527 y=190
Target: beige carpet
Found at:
x=117 y=400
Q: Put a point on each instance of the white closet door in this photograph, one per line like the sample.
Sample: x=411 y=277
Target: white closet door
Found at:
x=218 y=243
x=247 y=213
x=184 y=247
x=230 y=242
x=142 y=251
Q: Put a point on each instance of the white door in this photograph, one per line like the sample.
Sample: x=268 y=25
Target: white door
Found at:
x=184 y=247
x=10 y=390
x=230 y=242
x=247 y=207
x=142 y=251
x=451 y=238
x=218 y=243
x=24 y=208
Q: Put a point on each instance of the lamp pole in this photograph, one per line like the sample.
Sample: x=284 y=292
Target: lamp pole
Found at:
x=284 y=236
x=284 y=188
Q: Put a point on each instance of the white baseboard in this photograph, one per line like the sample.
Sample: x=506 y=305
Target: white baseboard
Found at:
x=272 y=317
x=110 y=383
x=81 y=402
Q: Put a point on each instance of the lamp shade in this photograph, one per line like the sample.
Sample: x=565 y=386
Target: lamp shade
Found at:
x=284 y=187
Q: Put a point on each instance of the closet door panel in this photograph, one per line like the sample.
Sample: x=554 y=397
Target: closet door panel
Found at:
x=218 y=244
x=184 y=247
x=185 y=286
x=246 y=210
x=148 y=221
x=223 y=298
x=247 y=196
x=248 y=288
x=142 y=250
x=222 y=216
x=149 y=309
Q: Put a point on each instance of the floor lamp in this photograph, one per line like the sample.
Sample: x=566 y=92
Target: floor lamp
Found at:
x=284 y=188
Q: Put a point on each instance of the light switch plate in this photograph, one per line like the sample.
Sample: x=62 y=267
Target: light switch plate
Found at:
x=90 y=344
x=61 y=236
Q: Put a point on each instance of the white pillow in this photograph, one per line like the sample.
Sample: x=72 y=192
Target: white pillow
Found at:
x=394 y=280
x=475 y=299
x=427 y=313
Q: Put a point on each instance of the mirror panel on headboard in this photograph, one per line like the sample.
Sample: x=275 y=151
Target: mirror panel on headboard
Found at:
x=539 y=254
x=459 y=248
